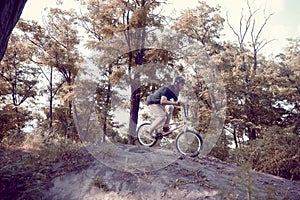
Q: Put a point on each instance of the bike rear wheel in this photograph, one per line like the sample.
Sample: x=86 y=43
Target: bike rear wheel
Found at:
x=143 y=137
x=189 y=143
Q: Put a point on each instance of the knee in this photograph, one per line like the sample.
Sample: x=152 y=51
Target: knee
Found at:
x=164 y=117
x=170 y=109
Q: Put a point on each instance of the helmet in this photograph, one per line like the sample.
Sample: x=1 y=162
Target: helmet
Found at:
x=179 y=79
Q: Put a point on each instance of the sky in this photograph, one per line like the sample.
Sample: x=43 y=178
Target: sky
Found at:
x=283 y=24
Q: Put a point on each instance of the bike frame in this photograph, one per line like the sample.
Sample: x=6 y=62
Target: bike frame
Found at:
x=179 y=124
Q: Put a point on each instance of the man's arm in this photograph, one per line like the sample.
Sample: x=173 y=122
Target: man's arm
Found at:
x=165 y=101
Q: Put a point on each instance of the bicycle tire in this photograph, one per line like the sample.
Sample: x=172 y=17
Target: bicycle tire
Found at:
x=189 y=143
x=144 y=139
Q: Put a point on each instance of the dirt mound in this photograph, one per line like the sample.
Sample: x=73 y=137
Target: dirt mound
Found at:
x=111 y=176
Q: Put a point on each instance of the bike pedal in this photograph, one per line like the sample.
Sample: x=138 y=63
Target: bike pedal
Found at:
x=158 y=136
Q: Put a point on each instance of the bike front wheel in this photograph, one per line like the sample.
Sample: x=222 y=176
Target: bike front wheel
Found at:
x=189 y=143
x=143 y=136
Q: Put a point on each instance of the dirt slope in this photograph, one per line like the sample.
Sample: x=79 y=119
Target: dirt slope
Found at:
x=131 y=172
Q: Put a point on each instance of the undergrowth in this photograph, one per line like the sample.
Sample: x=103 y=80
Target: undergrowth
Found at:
x=27 y=170
x=277 y=153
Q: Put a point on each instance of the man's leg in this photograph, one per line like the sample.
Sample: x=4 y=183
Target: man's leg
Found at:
x=169 y=111
x=160 y=117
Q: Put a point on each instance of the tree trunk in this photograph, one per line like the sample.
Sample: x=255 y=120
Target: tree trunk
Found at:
x=50 y=100
x=107 y=108
x=135 y=85
x=10 y=12
x=235 y=139
x=297 y=126
x=252 y=115
x=254 y=62
x=136 y=94
x=252 y=134
x=135 y=103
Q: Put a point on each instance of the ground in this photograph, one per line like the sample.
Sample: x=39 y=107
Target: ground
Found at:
x=132 y=172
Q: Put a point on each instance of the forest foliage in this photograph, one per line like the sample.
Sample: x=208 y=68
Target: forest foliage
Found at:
x=43 y=61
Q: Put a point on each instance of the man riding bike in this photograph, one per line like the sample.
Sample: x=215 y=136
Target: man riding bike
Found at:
x=161 y=104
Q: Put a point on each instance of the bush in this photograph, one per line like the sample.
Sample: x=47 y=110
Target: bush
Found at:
x=12 y=120
x=276 y=153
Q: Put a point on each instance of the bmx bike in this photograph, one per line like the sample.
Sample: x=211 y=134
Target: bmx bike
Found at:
x=188 y=142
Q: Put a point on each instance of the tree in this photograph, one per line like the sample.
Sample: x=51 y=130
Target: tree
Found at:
x=19 y=79
x=36 y=35
x=100 y=22
x=256 y=42
x=10 y=12
x=57 y=50
x=289 y=70
x=246 y=25
x=133 y=20
x=202 y=23
x=137 y=20
x=65 y=59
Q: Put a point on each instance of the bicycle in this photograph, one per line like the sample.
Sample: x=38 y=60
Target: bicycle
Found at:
x=188 y=142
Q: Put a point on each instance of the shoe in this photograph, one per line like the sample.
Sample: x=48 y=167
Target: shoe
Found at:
x=166 y=129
